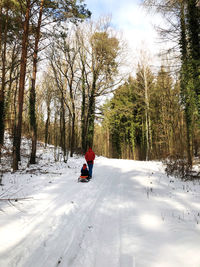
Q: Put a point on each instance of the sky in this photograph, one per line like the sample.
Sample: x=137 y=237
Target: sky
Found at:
x=137 y=25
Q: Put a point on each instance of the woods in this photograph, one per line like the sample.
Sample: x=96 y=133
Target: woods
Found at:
x=31 y=26
x=145 y=117
x=120 y=94
x=64 y=82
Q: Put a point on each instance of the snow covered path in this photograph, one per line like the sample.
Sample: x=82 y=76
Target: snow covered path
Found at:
x=129 y=215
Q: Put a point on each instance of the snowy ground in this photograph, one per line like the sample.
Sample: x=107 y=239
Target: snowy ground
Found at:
x=129 y=215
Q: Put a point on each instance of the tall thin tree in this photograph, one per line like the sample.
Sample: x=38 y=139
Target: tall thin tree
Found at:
x=32 y=90
x=23 y=64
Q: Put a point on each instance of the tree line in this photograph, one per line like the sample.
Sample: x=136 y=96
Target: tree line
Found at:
x=23 y=25
x=183 y=20
x=156 y=116
x=79 y=62
x=145 y=119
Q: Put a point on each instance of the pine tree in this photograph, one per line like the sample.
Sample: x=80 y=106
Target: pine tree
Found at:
x=193 y=27
x=190 y=69
x=124 y=120
x=166 y=116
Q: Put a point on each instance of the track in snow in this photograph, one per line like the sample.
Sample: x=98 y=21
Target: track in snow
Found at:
x=126 y=216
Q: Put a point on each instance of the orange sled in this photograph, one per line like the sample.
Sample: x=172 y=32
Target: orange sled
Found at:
x=83 y=179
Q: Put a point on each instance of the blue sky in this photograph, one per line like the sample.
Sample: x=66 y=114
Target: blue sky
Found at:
x=121 y=11
x=133 y=20
x=111 y=6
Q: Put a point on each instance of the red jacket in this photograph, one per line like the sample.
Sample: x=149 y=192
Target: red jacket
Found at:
x=90 y=156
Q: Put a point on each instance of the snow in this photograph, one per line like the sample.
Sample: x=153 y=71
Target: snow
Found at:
x=129 y=215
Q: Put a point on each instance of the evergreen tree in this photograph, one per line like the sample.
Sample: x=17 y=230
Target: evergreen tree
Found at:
x=167 y=117
x=193 y=25
x=124 y=115
x=183 y=19
x=190 y=69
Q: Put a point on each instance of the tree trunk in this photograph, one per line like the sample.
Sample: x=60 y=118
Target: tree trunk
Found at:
x=12 y=76
x=55 y=136
x=33 y=122
x=147 y=116
x=63 y=129
x=0 y=27
x=69 y=131
x=91 y=116
x=73 y=112
x=193 y=16
x=17 y=133
x=185 y=89
x=3 y=82
x=189 y=136
x=83 y=117
x=47 y=125
x=73 y=131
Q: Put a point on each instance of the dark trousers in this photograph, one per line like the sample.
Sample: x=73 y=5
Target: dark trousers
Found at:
x=90 y=166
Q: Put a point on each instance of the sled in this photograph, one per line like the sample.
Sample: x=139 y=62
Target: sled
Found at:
x=83 y=179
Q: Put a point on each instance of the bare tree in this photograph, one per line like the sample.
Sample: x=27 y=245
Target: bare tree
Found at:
x=145 y=82
x=101 y=57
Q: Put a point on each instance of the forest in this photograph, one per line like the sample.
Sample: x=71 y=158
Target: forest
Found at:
x=64 y=81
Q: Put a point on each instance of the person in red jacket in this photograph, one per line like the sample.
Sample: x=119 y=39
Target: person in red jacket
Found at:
x=89 y=157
